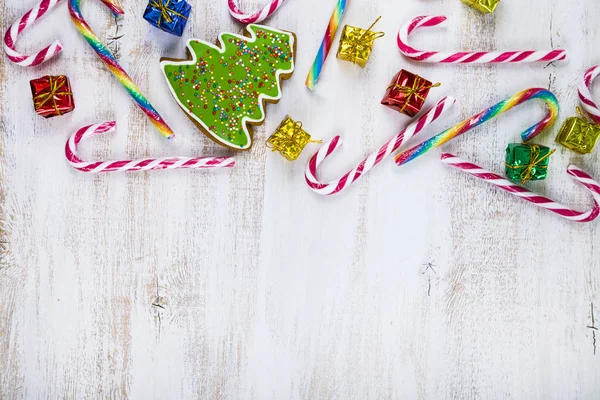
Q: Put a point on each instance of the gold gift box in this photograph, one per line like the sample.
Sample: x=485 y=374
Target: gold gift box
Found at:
x=484 y=6
x=289 y=139
x=356 y=44
x=579 y=135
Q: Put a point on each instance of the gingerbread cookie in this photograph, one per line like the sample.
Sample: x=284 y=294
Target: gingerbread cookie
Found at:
x=223 y=89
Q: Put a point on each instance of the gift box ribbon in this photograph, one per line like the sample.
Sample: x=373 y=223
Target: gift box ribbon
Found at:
x=286 y=144
x=591 y=124
x=364 y=40
x=534 y=161
x=165 y=11
x=55 y=85
x=413 y=91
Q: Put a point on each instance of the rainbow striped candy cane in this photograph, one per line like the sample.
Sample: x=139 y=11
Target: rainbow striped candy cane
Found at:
x=585 y=94
x=255 y=17
x=523 y=193
x=109 y=59
x=485 y=116
x=334 y=23
x=374 y=159
x=462 y=57
x=146 y=164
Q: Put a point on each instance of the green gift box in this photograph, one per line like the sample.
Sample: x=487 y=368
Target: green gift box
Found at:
x=527 y=162
x=484 y=6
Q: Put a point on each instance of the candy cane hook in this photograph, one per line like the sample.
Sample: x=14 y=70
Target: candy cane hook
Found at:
x=485 y=116
x=540 y=201
x=461 y=57
x=585 y=94
x=255 y=17
x=109 y=59
x=375 y=158
x=146 y=164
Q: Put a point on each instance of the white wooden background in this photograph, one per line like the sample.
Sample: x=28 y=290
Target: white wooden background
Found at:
x=417 y=283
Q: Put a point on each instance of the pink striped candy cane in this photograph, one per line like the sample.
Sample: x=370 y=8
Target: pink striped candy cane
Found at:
x=540 y=201
x=375 y=158
x=461 y=57
x=146 y=164
x=257 y=16
x=10 y=37
x=585 y=94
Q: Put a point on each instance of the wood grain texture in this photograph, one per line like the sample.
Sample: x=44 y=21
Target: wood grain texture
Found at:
x=416 y=283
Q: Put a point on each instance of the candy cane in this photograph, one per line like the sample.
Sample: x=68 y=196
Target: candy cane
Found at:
x=375 y=158
x=585 y=94
x=146 y=164
x=257 y=16
x=332 y=27
x=30 y=17
x=479 y=57
x=485 y=116
x=109 y=59
x=540 y=201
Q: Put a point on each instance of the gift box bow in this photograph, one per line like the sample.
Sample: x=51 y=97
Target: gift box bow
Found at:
x=55 y=85
x=534 y=162
x=165 y=12
x=365 y=40
x=419 y=85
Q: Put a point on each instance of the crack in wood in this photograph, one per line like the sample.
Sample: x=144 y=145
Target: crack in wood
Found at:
x=593 y=327
x=113 y=42
x=429 y=266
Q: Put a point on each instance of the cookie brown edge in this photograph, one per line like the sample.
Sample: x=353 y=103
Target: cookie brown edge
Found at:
x=250 y=125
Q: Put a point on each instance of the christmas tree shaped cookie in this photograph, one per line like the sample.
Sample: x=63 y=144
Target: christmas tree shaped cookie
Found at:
x=223 y=89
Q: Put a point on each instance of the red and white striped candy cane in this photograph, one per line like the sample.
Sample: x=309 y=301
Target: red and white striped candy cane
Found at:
x=258 y=16
x=462 y=57
x=146 y=164
x=585 y=94
x=10 y=37
x=375 y=158
x=540 y=201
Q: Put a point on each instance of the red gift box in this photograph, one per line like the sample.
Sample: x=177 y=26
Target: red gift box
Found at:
x=52 y=96
x=407 y=93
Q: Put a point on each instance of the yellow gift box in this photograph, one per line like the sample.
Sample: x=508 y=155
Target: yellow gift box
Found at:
x=289 y=139
x=356 y=44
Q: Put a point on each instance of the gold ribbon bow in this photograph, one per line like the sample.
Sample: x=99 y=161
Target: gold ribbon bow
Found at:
x=55 y=85
x=367 y=36
x=165 y=11
x=289 y=145
x=534 y=161
x=413 y=91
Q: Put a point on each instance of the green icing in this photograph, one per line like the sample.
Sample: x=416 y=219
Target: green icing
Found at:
x=222 y=88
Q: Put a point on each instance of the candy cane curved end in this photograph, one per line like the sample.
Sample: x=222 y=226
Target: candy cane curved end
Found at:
x=462 y=57
x=585 y=94
x=257 y=16
x=372 y=160
x=28 y=19
x=146 y=164
x=541 y=201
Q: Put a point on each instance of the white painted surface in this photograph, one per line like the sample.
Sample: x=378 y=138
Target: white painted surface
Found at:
x=266 y=290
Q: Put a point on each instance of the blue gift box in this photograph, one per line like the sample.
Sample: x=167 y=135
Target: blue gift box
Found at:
x=168 y=15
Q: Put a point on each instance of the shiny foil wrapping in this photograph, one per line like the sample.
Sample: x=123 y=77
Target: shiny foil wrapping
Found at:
x=407 y=93
x=289 y=139
x=356 y=45
x=579 y=135
x=527 y=162
x=168 y=15
x=484 y=6
x=52 y=96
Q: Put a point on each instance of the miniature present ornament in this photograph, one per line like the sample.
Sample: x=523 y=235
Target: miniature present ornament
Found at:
x=579 y=135
x=168 y=15
x=290 y=139
x=484 y=6
x=407 y=93
x=356 y=44
x=527 y=162
x=52 y=96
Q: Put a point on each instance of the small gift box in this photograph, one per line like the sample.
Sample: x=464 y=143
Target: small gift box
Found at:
x=52 y=96
x=289 y=139
x=407 y=93
x=527 y=162
x=356 y=44
x=168 y=15
x=579 y=135
x=484 y=6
